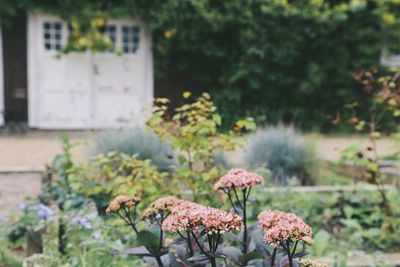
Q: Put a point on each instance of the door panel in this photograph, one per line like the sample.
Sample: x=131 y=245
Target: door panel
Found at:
x=119 y=81
x=15 y=71
x=117 y=101
x=63 y=83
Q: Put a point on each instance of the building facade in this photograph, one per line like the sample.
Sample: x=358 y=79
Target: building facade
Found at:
x=77 y=90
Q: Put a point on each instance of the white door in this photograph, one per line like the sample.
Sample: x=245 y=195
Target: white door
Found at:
x=88 y=90
x=1 y=82
x=59 y=86
x=121 y=86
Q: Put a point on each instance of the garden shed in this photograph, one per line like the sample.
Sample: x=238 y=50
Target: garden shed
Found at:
x=76 y=90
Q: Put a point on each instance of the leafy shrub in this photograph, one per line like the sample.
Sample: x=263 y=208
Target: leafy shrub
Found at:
x=286 y=153
x=113 y=173
x=133 y=141
x=194 y=132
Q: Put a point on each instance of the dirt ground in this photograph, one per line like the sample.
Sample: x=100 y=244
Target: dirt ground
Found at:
x=37 y=149
x=31 y=151
x=329 y=148
x=15 y=188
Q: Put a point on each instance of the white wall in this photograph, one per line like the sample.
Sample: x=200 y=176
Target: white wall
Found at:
x=389 y=60
x=87 y=90
x=1 y=82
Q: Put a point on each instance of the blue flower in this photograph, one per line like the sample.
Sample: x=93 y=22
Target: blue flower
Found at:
x=44 y=212
x=96 y=235
x=82 y=221
x=23 y=207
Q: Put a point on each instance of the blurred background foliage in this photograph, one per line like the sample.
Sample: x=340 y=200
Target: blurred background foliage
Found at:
x=274 y=60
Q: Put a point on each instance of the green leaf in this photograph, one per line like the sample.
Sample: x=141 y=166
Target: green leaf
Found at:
x=139 y=251
x=233 y=253
x=321 y=242
x=198 y=258
x=348 y=212
x=250 y=256
x=148 y=239
x=217 y=119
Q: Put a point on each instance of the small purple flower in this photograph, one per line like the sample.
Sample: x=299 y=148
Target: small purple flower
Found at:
x=2 y=219
x=96 y=235
x=82 y=221
x=44 y=212
x=23 y=207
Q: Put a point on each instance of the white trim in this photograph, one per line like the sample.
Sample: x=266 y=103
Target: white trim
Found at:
x=1 y=81
x=389 y=60
x=149 y=79
x=32 y=79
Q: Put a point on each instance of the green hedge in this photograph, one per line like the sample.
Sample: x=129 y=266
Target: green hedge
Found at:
x=274 y=60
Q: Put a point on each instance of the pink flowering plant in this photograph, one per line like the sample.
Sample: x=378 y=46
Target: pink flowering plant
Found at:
x=208 y=236
x=237 y=185
x=284 y=230
x=200 y=222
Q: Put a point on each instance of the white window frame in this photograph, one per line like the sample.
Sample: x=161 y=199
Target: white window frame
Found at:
x=389 y=60
x=1 y=81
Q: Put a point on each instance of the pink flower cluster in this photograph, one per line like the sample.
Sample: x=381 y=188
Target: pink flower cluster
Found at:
x=239 y=178
x=281 y=226
x=163 y=204
x=192 y=216
x=122 y=201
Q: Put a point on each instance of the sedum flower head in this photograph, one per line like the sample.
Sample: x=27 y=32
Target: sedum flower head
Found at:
x=280 y=226
x=191 y=216
x=239 y=178
x=219 y=221
x=312 y=263
x=160 y=205
x=122 y=201
x=184 y=216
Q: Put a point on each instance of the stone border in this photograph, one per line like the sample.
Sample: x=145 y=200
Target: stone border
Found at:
x=12 y=170
x=327 y=188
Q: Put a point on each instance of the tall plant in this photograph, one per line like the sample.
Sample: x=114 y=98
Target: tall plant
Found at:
x=384 y=100
x=193 y=130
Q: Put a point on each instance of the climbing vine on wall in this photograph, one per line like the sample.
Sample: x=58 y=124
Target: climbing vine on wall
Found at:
x=275 y=60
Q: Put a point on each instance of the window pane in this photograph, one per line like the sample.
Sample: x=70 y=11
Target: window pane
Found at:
x=52 y=35
x=130 y=38
x=110 y=31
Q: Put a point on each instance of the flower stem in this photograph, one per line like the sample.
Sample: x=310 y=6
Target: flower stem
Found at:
x=199 y=245
x=159 y=261
x=189 y=241
x=161 y=232
x=289 y=254
x=294 y=248
x=213 y=262
x=273 y=257
x=244 y=243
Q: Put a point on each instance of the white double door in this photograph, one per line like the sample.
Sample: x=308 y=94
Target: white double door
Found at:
x=85 y=90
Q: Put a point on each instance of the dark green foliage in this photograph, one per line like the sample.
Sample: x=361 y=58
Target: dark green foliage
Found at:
x=273 y=60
